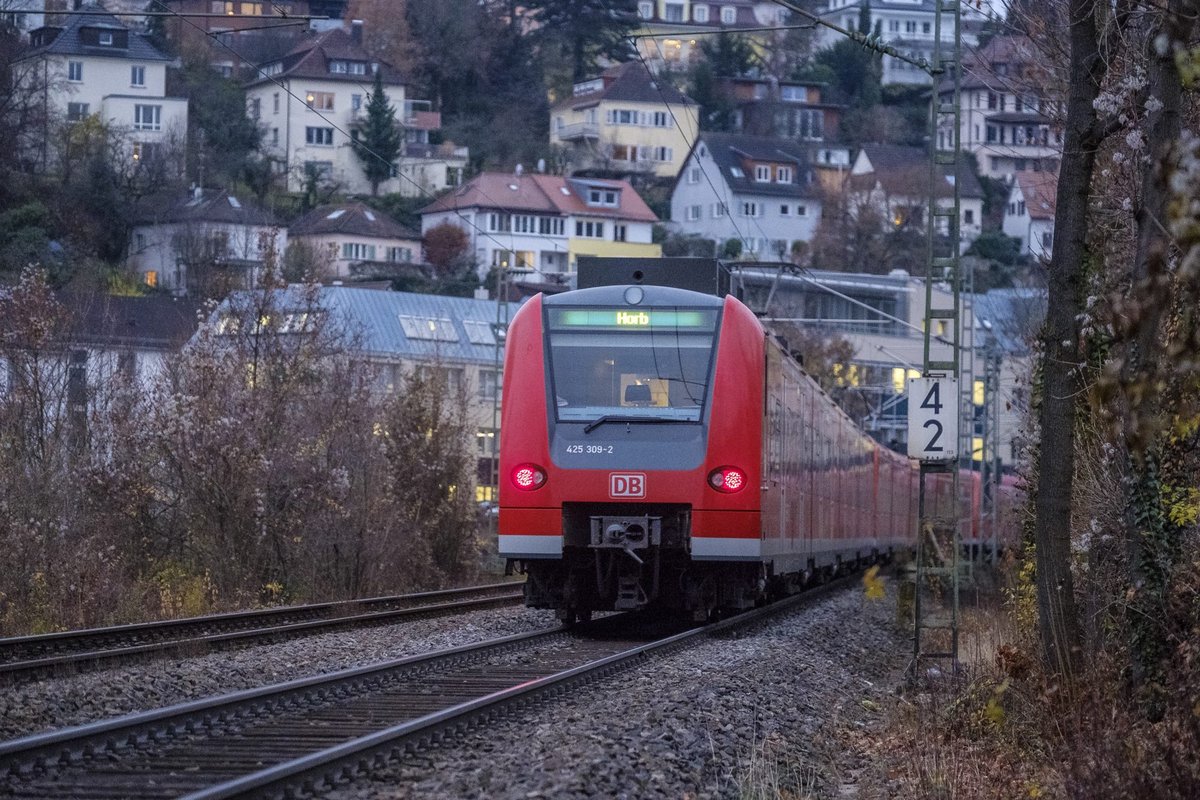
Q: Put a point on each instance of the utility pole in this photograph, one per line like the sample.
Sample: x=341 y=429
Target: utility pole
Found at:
x=934 y=423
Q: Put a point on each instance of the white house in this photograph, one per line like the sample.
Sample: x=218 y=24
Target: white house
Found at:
x=356 y=239
x=93 y=65
x=1010 y=110
x=310 y=102
x=759 y=190
x=895 y=179
x=203 y=239
x=542 y=223
x=907 y=25
x=1029 y=215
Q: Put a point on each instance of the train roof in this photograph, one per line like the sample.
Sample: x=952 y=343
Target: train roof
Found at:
x=620 y=295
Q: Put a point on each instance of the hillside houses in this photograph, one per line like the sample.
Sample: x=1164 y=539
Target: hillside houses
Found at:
x=625 y=121
x=541 y=224
x=310 y=102
x=760 y=191
x=95 y=67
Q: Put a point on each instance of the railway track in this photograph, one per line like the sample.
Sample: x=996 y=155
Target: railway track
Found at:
x=308 y=735
x=27 y=657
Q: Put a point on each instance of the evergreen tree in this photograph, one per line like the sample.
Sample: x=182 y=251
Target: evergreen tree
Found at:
x=377 y=139
x=587 y=30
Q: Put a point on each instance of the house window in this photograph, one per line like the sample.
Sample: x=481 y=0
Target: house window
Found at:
x=152 y=277
x=76 y=111
x=602 y=197
x=719 y=210
x=551 y=226
x=144 y=151
x=700 y=13
x=479 y=332
x=692 y=213
x=355 y=102
x=621 y=116
x=319 y=101
x=618 y=233
x=436 y=329
x=728 y=15
x=588 y=229
x=969 y=216
x=660 y=119
x=1047 y=240
x=274 y=135
x=749 y=208
x=357 y=251
x=499 y=222
x=785 y=210
x=137 y=76
x=646 y=10
x=255 y=108
x=252 y=9
x=401 y=255
x=894 y=26
x=489 y=385
x=1021 y=208
x=801 y=211
x=910 y=26
x=926 y=28
x=319 y=136
x=693 y=175
x=673 y=12
x=275 y=103
x=783 y=174
x=75 y=71
x=762 y=173
x=322 y=169
x=106 y=38
x=147 y=118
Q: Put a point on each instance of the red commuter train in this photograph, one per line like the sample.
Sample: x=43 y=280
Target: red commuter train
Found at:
x=661 y=449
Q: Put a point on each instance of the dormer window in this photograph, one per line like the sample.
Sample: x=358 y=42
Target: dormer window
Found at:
x=762 y=173
x=728 y=15
x=646 y=10
x=783 y=174
x=737 y=172
x=602 y=197
x=106 y=38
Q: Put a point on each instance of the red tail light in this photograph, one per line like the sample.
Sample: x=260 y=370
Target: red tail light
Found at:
x=727 y=479
x=528 y=477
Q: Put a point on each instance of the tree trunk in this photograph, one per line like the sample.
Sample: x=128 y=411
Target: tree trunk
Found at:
x=1058 y=619
x=1151 y=539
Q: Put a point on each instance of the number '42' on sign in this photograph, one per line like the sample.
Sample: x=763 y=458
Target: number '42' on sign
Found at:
x=933 y=419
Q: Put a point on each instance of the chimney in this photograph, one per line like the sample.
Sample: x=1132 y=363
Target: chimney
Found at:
x=356 y=29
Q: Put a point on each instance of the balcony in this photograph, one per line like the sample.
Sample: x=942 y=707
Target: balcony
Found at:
x=578 y=131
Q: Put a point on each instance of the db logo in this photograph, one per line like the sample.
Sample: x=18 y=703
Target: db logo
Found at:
x=627 y=484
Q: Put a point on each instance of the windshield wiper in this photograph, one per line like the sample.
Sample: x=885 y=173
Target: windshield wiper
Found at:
x=598 y=421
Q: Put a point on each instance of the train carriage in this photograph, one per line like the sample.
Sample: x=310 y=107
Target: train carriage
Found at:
x=661 y=449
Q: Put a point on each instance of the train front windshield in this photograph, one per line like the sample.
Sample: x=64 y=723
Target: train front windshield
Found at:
x=647 y=364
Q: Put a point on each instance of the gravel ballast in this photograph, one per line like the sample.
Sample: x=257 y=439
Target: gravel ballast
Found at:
x=768 y=714
x=50 y=704
x=773 y=712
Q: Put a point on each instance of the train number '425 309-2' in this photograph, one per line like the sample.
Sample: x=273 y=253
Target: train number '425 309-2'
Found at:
x=590 y=449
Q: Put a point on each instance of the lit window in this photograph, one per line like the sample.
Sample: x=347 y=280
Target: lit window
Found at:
x=152 y=278
x=319 y=101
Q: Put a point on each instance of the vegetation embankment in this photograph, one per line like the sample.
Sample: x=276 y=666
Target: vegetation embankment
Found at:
x=262 y=464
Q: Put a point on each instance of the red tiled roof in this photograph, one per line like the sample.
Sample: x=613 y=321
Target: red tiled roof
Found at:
x=1041 y=193
x=542 y=193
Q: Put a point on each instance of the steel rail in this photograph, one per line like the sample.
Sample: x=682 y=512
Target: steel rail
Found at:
x=238 y=732
x=20 y=656
x=353 y=759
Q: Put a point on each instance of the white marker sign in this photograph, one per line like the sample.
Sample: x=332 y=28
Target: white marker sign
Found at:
x=933 y=419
